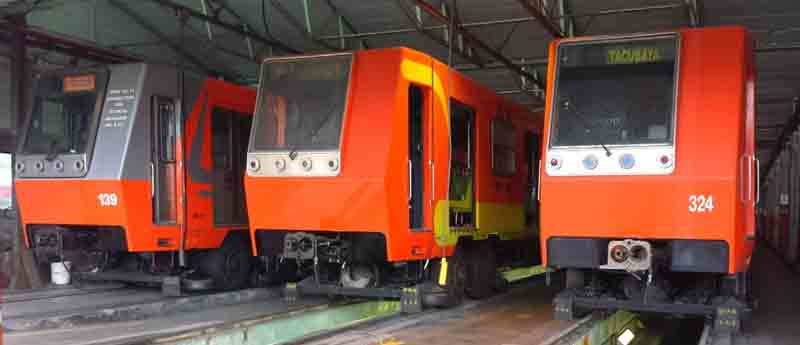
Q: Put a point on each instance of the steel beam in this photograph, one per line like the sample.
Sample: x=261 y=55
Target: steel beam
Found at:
x=499 y=65
x=343 y=23
x=141 y=21
x=786 y=133
x=537 y=10
x=38 y=38
x=415 y=16
x=566 y=24
x=299 y=26
x=230 y=27
x=694 y=11
x=503 y=21
x=480 y=44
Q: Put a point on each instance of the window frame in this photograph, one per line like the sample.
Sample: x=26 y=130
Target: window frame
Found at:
x=510 y=145
x=551 y=112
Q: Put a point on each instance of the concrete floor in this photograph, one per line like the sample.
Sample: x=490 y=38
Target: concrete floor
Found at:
x=776 y=321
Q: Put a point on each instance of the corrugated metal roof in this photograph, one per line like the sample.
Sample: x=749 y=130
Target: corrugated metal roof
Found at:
x=502 y=24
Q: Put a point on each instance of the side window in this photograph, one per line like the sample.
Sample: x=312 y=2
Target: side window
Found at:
x=166 y=115
x=504 y=155
x=5 y=181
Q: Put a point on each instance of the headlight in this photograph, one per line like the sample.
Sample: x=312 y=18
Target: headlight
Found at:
x=306 y=164
x=253 y=164
x=627 y=161
x=589 y=162
x=555 y=162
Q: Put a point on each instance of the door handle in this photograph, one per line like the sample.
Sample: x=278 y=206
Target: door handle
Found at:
x=539 y=182
x=758 y=180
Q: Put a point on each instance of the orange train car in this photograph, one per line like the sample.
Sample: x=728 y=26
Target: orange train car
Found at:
x=370 y=169
x=649 y=177
x=134 y=172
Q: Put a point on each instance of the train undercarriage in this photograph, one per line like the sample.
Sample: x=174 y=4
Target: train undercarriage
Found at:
x=640 y=276
x=352 y=264
x=100 y=254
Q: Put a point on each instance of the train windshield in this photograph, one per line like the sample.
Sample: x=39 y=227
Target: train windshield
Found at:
x=619 y=92
x=301 y=104
x=64 y=115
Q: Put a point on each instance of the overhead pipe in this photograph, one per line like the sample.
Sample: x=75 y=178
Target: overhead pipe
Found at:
x=230 y=27
x=433 y=12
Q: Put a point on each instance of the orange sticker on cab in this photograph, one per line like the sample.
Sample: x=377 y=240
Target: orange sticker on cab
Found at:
x=79 y=83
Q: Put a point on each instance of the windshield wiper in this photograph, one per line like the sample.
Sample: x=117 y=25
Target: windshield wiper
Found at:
x=52 y=151
x=567 y=105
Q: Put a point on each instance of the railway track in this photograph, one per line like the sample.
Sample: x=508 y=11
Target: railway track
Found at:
x=125 y=316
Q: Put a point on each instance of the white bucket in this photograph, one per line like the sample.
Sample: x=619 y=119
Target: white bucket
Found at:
x=59 y=272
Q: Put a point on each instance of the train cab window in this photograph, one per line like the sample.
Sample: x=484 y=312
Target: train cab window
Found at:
x=302 y=103
x=615 y=92
x=504 y=154
x=65 y=113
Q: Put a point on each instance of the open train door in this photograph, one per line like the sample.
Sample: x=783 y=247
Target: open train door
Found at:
x=533 y=156
x=164 y=161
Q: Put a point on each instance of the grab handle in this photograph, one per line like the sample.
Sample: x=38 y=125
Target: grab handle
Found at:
x=152 y=180
x=410 y=181
x=758 y=180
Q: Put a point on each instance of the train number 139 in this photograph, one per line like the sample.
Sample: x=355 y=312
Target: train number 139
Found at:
x=701 y=203
x=108 y=199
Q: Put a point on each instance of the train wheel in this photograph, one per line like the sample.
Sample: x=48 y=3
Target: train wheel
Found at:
x=480 y=269
x=230 y=265
x=452 y=293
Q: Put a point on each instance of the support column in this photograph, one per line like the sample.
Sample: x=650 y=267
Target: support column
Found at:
x=24 y=271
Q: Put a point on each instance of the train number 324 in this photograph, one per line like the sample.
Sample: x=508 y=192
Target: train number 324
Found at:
x=701 y=203
x=108 y=199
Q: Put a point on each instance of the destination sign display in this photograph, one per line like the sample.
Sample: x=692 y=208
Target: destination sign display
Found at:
x=660 y=49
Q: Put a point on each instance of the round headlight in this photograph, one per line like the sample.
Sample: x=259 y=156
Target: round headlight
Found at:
x=79 y=165
x=627 y=161
x=59 y=165
x=555 y=162
x=253 y=164
x=665 y=160
x=589 y=162
x=19 y=167
x=333 y=164
x=306 y=164
x=39 y=166
x=280 y=164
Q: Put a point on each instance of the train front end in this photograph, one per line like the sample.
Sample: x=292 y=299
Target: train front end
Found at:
x=81 y=174
x=649 y=174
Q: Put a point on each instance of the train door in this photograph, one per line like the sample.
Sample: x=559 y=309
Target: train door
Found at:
x=462 y=165
x=416 y=157
x=532 y=155
x=163 y=160
x=230 y=133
